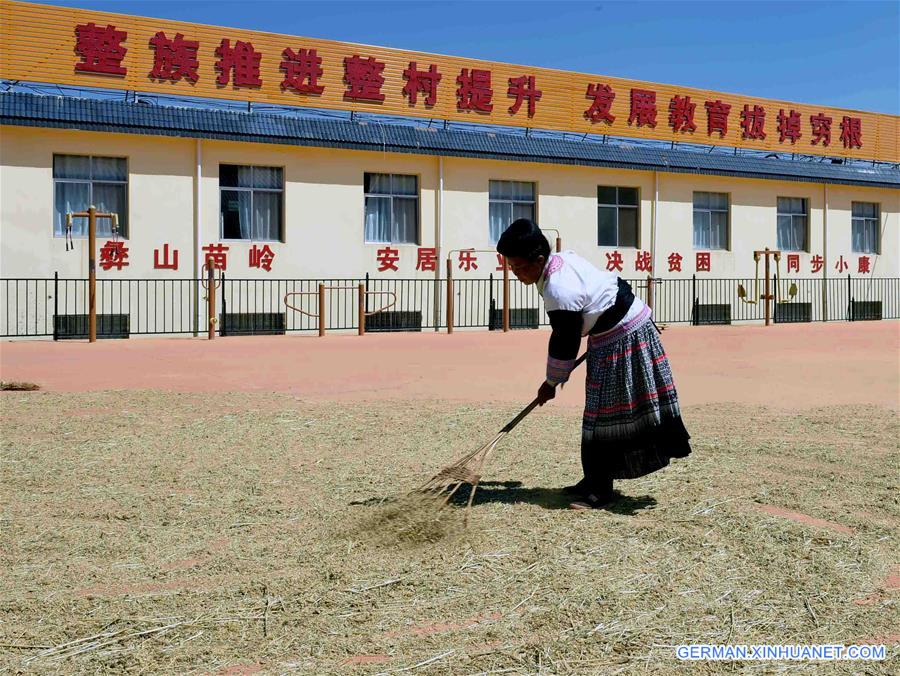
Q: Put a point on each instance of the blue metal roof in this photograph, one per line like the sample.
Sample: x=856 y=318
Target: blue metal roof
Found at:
x=25 y=109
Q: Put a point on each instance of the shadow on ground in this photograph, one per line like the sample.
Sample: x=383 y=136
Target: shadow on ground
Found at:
x=512 y=492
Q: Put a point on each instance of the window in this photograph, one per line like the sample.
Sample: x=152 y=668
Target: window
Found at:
x=80 y=181
x=392 y=208
x=250 y=203
x=617 y=216
x=710 y=220
x=865 y=219
x=508 y=201
x=792 y=221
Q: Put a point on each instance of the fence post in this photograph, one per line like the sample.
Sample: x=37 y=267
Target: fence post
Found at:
x=224 y=305
x=211 y=300
x=321 y=309
x=775 y=299
x=92 y=275
x=362 y=309
x=506 y=295
x=650 y=291
x=55 y=305
x=849 y=299
x=449 y=297
x=695 y=320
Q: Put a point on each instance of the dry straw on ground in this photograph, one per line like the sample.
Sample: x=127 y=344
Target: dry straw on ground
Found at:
x=18 y=386
x=195 y=534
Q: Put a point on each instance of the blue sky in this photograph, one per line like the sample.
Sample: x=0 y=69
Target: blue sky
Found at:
x=844 y=54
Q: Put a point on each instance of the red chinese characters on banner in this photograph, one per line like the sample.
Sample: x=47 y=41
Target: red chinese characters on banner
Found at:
x=521 y=88
x=601 y=97
x=753 y=122
x=163 y=263
x=793 y=263
x=681 y=114
x=674 y=261
x=468 y=261
x=474 y=91
x=614 y=261
x=216 y=256
x=703 y=263
x=427 y=259
x=101 y=49
x=851 y=132
x=421 y=81
x=717 y=118
x=238 y=65
x=841 y=265
x=788 y=126
x=864 y=265
x=113 y=254
x=501 y=263
x=262 y=258
x=363 y=78
x=821 y=129
x=174 y=58
x=387 y=259
x=642 y=261
x=302 y=70
x=643 y=108
x=816 y=263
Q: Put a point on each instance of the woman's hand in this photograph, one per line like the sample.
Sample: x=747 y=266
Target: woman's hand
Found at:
x=546 y=392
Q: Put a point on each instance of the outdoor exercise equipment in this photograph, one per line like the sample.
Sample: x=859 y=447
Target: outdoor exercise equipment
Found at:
x=767 y=293
x=361 y=302
x=92 y=215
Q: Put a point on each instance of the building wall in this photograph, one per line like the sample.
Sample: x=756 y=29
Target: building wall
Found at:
x=323 y=206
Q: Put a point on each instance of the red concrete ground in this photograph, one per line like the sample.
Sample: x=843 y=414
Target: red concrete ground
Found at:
x=796 y=366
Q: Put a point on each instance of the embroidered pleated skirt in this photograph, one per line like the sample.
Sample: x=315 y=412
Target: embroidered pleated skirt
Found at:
x=632 y=422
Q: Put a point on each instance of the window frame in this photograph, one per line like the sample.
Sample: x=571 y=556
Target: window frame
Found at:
x=876 y=251
x=512 y=202
x=617 y=206
x=710 y=211
x=392 y=195
x=90 y=183
x=804 y=214
x=282 y=229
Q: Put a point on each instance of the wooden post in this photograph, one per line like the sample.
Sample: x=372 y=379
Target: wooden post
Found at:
x=211 y=299
x=92 y=274
x=558 y=244
x=650 y=291
x=767 y=289
x=362 y=309
x=321 y=310
x=449 y=297
x=505 y=296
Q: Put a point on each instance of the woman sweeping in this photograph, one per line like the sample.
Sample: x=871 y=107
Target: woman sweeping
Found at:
x=632 y=423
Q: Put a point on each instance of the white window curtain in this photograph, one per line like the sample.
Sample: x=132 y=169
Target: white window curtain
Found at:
x=252 y=201
x=391 y=208
x=792 y=224
x=864 y=227
x=508 y=201
x=81 y=181
x=710 y=220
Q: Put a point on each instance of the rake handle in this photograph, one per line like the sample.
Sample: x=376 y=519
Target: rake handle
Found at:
x=528 y=409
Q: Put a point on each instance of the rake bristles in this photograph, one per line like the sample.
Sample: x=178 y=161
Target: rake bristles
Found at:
x=466 y=470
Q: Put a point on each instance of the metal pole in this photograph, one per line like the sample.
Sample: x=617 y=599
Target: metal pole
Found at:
x=211 y=300
x=224 y=303
x=449 y=297
x=766 y=292
x=321 y=310
x=55 y=305
x=558 y=244
x=362 y=309
x=650 y=291
x=506 y=293
x=92 y=275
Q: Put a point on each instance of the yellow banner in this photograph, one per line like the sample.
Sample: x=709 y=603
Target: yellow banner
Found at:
x=62 y=45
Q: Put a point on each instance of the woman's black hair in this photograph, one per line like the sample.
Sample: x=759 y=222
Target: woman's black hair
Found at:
x=523 y=239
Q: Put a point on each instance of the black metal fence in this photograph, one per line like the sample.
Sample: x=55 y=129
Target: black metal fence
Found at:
x=58 y=307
